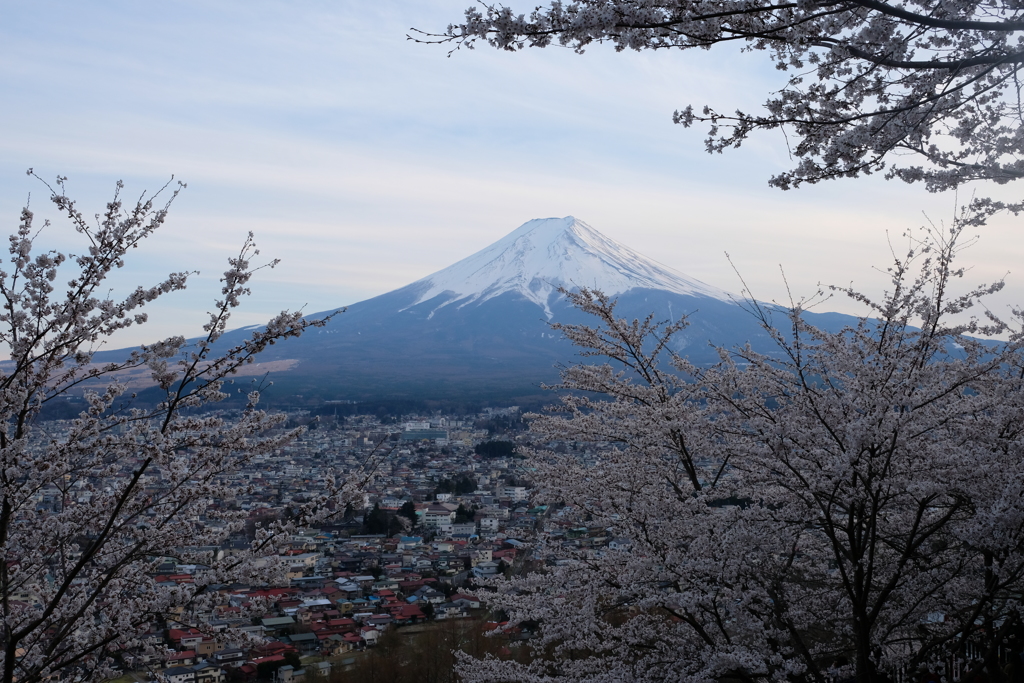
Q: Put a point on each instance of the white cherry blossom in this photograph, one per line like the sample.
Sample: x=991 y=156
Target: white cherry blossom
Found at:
x=922 y=91
x=126 y=482
x=848 y=506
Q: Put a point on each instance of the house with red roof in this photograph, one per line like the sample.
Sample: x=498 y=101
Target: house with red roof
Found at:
x=407 y=614
x=185 y=639
x=272 y=648
x=186 y=658
x=370 y=635
x=354 y=640
x=470 y=601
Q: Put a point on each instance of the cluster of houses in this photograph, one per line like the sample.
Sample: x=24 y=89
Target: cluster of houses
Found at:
x=342 y=594
x=344 y=588
x=325 y=609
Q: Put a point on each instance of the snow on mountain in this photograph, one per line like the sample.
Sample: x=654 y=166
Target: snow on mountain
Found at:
x=475 y=330
x=547 y=253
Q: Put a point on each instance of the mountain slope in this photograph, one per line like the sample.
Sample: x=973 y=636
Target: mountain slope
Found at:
x=480 y=328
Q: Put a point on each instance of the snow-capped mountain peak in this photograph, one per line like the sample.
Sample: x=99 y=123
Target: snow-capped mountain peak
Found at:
x=547 y=253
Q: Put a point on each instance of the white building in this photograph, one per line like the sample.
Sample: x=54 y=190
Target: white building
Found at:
x=516 y=493
x=437 y=514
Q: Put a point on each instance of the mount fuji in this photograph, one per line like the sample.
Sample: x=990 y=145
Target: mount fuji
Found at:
x=480 y=327
x=544 y=254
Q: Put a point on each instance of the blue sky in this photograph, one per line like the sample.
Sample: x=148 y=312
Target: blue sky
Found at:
x=365 y=161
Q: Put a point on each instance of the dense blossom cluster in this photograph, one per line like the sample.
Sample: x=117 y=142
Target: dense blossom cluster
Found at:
x=871 y=80
x=849 y=506
x=88 y=512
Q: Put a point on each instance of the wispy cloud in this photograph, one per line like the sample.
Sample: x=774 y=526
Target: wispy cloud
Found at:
x=366 y=161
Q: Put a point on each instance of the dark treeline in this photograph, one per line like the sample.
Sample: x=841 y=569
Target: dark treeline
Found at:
x=387 y=410
x=495 y=449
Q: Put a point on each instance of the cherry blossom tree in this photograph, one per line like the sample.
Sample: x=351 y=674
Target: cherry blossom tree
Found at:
x=848 y=506
x=90 y=505
x=923 y=91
